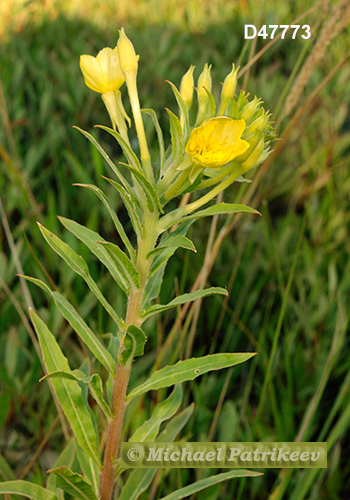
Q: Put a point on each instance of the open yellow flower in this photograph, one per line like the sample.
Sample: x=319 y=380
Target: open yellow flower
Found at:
x=102 y=73
x=217 y=142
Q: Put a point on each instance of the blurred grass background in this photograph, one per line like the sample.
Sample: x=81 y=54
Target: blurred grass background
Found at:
x=288 y=272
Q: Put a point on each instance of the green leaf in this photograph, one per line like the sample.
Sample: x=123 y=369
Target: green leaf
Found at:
x=129 y=153
x=66 y=458
x=209 y=481
x=134 y=342
x=176 y=137
x=26 y=489
x=93 y=381
x=6 y=472
x=89 y=468
x=68 y=391
x=151 y=195
x=131 y=204
x=188 y=370
x=107 y=158
x=116 y=221
x=153 y=115
x=74 y=484
x=182 y=299
x=90 y=239
x=219 y=209
x=140 y=479
x=163 y=411
x=182 y=107
x=174 y=242
x=80 y=327
x=123 y=263
x=78 y=264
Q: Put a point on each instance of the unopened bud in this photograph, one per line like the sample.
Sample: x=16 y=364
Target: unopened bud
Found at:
x=254 y=157
x=204 y=82
x=187 y=86
x=249 y=109
x=228 y=90
x=127 y=55
x=259 y=123
x=253 y=140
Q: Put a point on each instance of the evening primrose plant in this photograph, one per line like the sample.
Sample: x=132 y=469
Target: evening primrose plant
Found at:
x=203 y=159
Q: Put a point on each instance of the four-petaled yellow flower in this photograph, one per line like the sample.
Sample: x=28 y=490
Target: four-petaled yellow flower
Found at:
x=102 y=73
x=217 y=142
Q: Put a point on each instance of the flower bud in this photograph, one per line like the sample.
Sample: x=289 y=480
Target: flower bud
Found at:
x=127 y=55
x=228 y=90
x=258 y=123
x=252 y=141
x=102 y=73
x=254 y=157
x=186 y=87
x=249 y=109
x=204 y=82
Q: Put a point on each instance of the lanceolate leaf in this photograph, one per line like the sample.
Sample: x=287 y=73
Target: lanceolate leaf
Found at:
x=117 y=223
x=219 y=209
x=131 y=205
x=90 y=239
x=163 y=411
x=107 y=158
x=151 y=195
x=78 y=264
x=188 y=370
x=182 y=107
x=94 y=382
x=182 y=299
x=153 y=115
x=89 y=469
x=66 y=458
x=175 y=242
x=26 y=489
x=176 y=137
x=123 y=263
x=140 y=479
x=134 y=342
x=209 y=481
x=74 y=484
x=129 y=153
x=68 y=391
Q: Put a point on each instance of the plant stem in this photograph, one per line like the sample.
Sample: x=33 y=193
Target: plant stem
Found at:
x=133 y=317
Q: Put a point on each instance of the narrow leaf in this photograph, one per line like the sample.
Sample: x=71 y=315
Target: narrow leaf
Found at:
x=93 y=381
x=219 y=209
x=209 y=481
x=116 y=221
x=89 y=469
x=90 y=239
x=107 y=158
x=66 y=458
x=182 y=107
x=163 y=411
x=188 y=370
x=139 y=480
x=73 y=483
x=123 y=263
x=176 y=137
x=26 y=489
x=134 y=342
x=175 y=242
x=131 y=204
x=79 y=265
x=153 y=115
x=68 y=391
x=80 y=327
x=182 y=299
x=129 y=153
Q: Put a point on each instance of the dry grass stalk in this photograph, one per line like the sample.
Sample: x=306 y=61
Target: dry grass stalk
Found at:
x=338 y=19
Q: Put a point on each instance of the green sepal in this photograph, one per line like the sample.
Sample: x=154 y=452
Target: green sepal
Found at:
x=134 y=343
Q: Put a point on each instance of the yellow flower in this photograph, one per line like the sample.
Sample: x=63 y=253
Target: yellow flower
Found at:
x=217 y=141
x=102 y=73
